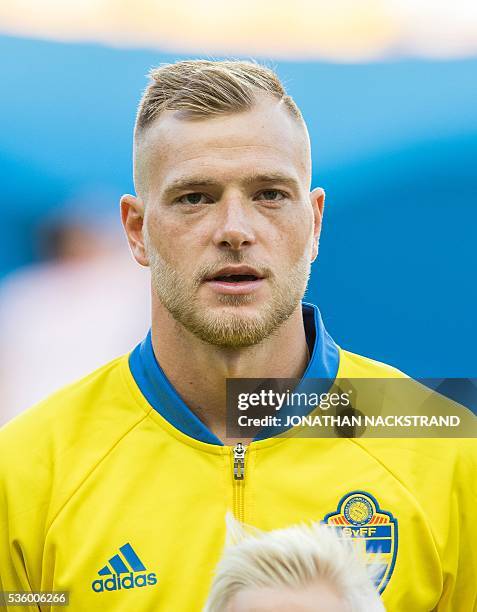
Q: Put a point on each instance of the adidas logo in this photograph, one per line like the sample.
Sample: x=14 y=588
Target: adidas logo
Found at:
x=126 y=571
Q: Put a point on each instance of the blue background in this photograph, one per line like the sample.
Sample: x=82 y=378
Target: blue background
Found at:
x=394 y=146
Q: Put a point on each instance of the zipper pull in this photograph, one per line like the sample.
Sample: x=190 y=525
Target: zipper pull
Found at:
x=239 y=461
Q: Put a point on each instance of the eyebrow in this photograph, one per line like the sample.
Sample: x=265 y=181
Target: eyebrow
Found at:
x=193 y=182
x=272 y=177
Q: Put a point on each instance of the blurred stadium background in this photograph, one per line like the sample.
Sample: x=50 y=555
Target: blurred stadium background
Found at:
x=389 y=91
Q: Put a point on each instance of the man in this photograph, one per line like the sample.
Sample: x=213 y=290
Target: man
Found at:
x=306 y=568
x=115 y=489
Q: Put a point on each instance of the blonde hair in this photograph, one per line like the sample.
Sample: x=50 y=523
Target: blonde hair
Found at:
x=294 y=558
x=204 y=88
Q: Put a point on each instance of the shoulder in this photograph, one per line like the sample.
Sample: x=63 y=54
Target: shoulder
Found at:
x=358 y=366
x=64 y=410
x=49 y=449
x=415 y=449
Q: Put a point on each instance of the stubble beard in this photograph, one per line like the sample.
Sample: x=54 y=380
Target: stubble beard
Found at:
x=228 y=327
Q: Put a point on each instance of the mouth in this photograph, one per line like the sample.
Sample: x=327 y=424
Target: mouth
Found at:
x=235 y=280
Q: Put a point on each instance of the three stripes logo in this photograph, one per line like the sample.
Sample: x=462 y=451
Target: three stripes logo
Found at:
x=125 y=571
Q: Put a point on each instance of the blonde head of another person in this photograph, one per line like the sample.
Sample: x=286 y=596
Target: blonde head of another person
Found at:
x=298 y=569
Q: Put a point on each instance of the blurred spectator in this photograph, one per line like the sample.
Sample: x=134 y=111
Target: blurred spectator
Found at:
x=86 y=304
x=301 y=568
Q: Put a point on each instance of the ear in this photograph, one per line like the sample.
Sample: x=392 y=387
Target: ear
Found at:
x=317 y=199
x=132 y=217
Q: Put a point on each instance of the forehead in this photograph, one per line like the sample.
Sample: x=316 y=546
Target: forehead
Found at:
x=265 y=138
x=282 y=599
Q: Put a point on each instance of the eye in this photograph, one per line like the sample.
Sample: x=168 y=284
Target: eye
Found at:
x=271 y=195
x=193 y=199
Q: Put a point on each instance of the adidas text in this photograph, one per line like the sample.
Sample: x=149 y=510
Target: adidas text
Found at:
x=128 y=581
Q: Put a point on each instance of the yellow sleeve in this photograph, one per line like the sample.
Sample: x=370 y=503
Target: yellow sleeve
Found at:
x=46 y=453
x=13 y=573
x=460 y=555
x=23 y=508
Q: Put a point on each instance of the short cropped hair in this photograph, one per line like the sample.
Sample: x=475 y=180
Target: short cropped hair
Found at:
x=204 y=88
x=296 y=557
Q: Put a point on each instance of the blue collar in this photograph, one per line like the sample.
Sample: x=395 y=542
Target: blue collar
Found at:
x=159 y=392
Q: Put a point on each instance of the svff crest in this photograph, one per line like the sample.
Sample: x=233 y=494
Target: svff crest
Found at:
x=359 y=517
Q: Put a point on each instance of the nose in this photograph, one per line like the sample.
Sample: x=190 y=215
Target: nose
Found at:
x=234 y=228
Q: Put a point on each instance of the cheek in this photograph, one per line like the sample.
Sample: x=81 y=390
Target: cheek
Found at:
x=173 y=238
x=293 y=235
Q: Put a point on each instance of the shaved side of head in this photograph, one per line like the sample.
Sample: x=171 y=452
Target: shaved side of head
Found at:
x=197 y=90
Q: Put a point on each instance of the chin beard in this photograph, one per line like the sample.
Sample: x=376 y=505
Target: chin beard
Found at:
x=233 y=330
x=225 y=326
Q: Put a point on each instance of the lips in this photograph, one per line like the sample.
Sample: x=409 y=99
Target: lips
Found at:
x=235 y=280
x=235 y=274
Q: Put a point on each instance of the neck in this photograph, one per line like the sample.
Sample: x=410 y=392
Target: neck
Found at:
x=198 y=370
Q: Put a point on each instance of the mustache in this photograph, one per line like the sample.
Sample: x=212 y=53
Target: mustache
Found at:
x=208 y=270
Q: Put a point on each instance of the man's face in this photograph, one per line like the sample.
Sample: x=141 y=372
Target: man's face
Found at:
x=230 y=228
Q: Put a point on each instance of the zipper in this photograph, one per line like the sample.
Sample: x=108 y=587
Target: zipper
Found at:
x=238 y=453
